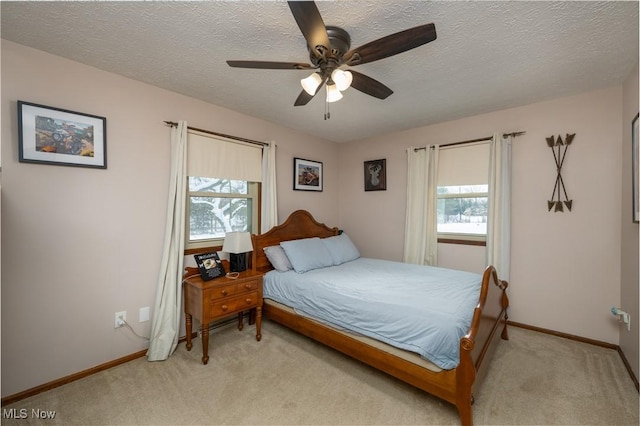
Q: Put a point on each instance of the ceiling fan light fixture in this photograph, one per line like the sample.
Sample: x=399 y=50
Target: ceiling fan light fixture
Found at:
x=311 y=83
x=333 y=93
x=342 y=79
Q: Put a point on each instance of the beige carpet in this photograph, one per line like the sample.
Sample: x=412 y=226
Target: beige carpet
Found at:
x=289 y=379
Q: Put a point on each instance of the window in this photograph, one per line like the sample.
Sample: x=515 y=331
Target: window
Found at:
x=223 y=189
x=217 y=206
x=463 y=192
x=462 y=210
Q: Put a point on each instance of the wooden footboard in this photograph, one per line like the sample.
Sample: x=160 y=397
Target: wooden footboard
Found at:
x=456 y=386
x=477 y=347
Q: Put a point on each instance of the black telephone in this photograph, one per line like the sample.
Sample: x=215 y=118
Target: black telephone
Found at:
x=209 y=265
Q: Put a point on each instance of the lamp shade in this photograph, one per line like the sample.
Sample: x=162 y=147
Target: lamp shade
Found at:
x=311 y=83
x=237 y=242
x=333 y=94
x=342 y=79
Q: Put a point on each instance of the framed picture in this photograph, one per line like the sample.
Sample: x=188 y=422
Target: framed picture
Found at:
x=375 y=175
x=307 y=175
x=50 y=135
x=209 y=265
x=635 y=155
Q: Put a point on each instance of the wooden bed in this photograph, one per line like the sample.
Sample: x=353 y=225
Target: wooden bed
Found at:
x=476 y=348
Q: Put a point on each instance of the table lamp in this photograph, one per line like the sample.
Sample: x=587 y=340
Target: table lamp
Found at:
x=237 y=244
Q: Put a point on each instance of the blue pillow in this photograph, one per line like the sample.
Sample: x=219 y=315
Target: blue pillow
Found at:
x=278 y=258
x=307 y=254
x=341 y=249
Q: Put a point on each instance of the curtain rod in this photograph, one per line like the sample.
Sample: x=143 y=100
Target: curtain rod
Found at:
x=235 y=138
x=488 y=138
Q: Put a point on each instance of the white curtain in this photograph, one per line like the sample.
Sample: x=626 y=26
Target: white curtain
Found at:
x=166 y=319
x=499 y=214
x=269 y=214
x=420 y=232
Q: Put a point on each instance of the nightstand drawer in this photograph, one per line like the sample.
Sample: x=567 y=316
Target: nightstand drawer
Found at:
x=247 y=286
x=234 y=304
x=222 y=292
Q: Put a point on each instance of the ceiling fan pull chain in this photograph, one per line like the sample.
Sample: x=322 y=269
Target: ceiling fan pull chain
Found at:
x=327 y=113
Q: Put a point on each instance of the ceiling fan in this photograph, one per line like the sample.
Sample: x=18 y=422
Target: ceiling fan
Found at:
x=330 y=49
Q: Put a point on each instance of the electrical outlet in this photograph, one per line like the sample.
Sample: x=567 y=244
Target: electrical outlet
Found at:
x=121 y=317
x=144 y=314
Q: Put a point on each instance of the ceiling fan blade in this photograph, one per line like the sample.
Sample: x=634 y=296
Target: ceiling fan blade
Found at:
x=391 y=45
x=269 y=65
x=312 y=26
x=368 y=85
x=304 y=97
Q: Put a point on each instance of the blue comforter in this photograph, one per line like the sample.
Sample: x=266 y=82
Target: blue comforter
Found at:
x=422 y=309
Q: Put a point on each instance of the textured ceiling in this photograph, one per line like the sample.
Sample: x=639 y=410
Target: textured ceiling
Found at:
x=488 y=55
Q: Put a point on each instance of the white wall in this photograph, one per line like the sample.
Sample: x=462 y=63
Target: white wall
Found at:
x=629 y=340
x=80 y=244
x=565 y=271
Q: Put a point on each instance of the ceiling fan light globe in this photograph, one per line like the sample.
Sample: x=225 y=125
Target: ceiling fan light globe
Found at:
x=333 y=94
x=342 y=79
x=311 y=83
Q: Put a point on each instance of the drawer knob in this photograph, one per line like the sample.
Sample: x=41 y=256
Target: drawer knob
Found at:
x=225 y=292
x=248 y=286
x=224 y=307
x=248 y=301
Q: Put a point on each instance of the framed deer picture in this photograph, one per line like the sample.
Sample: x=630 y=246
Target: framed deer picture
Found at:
x=375 y=175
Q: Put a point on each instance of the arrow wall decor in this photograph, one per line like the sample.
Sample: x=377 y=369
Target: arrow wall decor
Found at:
x=556 y=145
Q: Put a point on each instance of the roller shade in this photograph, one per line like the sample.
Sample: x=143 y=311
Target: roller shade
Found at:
x=214 y=157
x=464 y=165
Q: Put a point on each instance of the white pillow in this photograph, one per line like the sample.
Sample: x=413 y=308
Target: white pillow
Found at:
x=307 y=254
x=341 y=249
x=278 y=258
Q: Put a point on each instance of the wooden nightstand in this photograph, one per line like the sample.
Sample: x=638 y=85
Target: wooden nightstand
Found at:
x=219 y=298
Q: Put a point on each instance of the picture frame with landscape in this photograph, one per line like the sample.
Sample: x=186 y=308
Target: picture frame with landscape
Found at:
x=49 y=135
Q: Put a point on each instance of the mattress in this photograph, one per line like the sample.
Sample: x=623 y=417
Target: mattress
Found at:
x=400 y=353
x=421 y=309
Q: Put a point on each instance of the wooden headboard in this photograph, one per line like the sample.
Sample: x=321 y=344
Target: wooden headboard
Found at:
x=300 y=224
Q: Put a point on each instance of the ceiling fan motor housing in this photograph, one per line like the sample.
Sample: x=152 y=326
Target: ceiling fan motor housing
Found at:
x=340 y=44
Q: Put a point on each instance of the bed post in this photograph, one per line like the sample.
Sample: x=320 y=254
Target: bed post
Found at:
x=465 y=377
x=505 y=305
x=466 y=414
